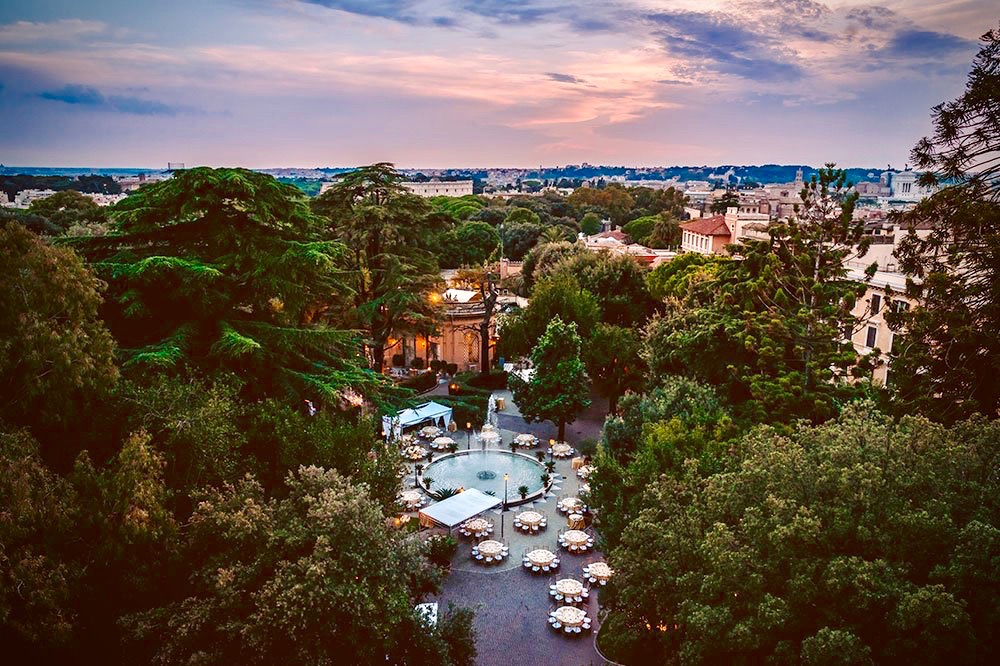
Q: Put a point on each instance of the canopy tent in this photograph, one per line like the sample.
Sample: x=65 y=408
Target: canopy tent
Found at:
x=429 y=411
x=458 y=508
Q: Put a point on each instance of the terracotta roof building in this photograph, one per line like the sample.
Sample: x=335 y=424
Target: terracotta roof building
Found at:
x=709 y=235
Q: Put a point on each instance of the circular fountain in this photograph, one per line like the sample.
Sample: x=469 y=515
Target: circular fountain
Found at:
x=484 y=470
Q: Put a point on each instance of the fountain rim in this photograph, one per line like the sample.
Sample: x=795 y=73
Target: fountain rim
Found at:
x=531 y=497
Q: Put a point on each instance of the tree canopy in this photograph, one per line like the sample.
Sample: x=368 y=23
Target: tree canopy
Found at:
x=857 y=541
x=226 y=269
x=559 y=386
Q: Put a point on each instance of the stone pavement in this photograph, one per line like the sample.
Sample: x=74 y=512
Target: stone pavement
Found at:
x=511 y=604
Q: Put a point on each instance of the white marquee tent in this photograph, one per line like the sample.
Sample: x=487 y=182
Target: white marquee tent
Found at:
x=429 y=411
x=458 y=508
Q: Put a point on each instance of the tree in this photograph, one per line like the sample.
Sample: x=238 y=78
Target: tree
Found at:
x=590 y=224
x=486 y=281
x=640 y=228
x=56 y=356
x=314 y=576
x=224 y=269
x=779 y=557
x=646 y=201
x=949 y=350
x=731 y=199
x=612 y=359
x=559 y=386
x=618 y=282
x=468 y=244
x=389 y=233
x=666 y=233
x=560 y=296
x=545 y=256
x=770 y=327
x=69 y=208
x=614 y=198
x=674 y=278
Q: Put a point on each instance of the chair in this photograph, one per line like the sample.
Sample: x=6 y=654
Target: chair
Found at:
x=557 y=625
x=535 y=568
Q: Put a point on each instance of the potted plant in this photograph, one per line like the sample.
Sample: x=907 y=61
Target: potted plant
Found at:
x=428 y=481
x=522 y=491
x=420 y=468
x=453 y=447
x=545 y=480
x=539 y=456
x=398 y=361
x=550 y=466
x=513 y=446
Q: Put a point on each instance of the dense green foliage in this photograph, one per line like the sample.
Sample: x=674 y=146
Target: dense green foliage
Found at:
x=858 y=541
x=558 y=387
x=768 y=328
x=194 y=510
x=388 y=233
x=225 y=270
x=948 y=356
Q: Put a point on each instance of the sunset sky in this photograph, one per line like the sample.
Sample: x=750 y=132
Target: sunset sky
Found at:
x=267 y=83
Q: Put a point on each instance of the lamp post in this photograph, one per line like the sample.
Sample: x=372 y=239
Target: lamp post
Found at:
x=503 y=514
x=552 y=443
x=468 y=435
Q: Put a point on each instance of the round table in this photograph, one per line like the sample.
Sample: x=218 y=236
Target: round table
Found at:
x=575 y=538
x=541 y=557
x=490 y=548
x=442 y=443
x=489 y=427
x=411 y=499
x=570 y=505
x=529 y=518
x=525 y=440
x=562 y=450
x=489 y=435
x=430 y=431
x=599 y=572
x=585 y=471
x=476 y=526
x=570 y=616
x=576 y=521
x=415 y=452
x=569 y=587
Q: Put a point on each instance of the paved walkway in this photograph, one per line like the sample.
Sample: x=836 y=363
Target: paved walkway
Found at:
x=512 y=604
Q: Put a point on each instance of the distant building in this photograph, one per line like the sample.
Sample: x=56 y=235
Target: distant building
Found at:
x=441 y=188
x=709 y=235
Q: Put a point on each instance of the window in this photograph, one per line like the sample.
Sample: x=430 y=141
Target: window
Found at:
x=901 y=306
x=472 y=347
x=870 y=337
x=876 y=303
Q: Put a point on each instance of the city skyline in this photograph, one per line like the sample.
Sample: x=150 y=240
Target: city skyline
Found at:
x=270 y=83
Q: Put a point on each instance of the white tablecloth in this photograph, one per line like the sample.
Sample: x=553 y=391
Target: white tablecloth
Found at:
x=541 y=557
x=575 y=537
x=570 y=616
x=569 y=587
x=529 y=518
x=490 y=548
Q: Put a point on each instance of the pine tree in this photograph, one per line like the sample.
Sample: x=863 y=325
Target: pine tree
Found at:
x=225 y=269
x=559 y=387
x=388 y=232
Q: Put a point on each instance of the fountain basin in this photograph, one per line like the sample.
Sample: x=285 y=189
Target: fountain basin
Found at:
x=484 y=470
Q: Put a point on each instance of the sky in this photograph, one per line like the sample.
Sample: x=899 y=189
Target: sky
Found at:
x=477 y=83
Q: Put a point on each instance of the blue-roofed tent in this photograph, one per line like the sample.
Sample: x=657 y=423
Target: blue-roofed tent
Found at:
x=432 y=412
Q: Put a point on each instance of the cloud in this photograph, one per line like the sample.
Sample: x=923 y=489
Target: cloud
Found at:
x=63 y=30
x=93 y=98
x=716 y=42
x=925 y=44
x=564 y=78
x=394 y=10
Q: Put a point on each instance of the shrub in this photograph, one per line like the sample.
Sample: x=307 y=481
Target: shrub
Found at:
x=587 y=447
x=441 y=548
x=443 y=494
x=540 y=456
x=522 y=491
x=398 y=361
x=452 y=368
x=438 y=365
x=417 y=363
x=421 y=382
x=494 y=380
x=545 y=479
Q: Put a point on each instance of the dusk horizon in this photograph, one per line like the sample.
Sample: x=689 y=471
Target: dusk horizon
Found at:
x=267 y=83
